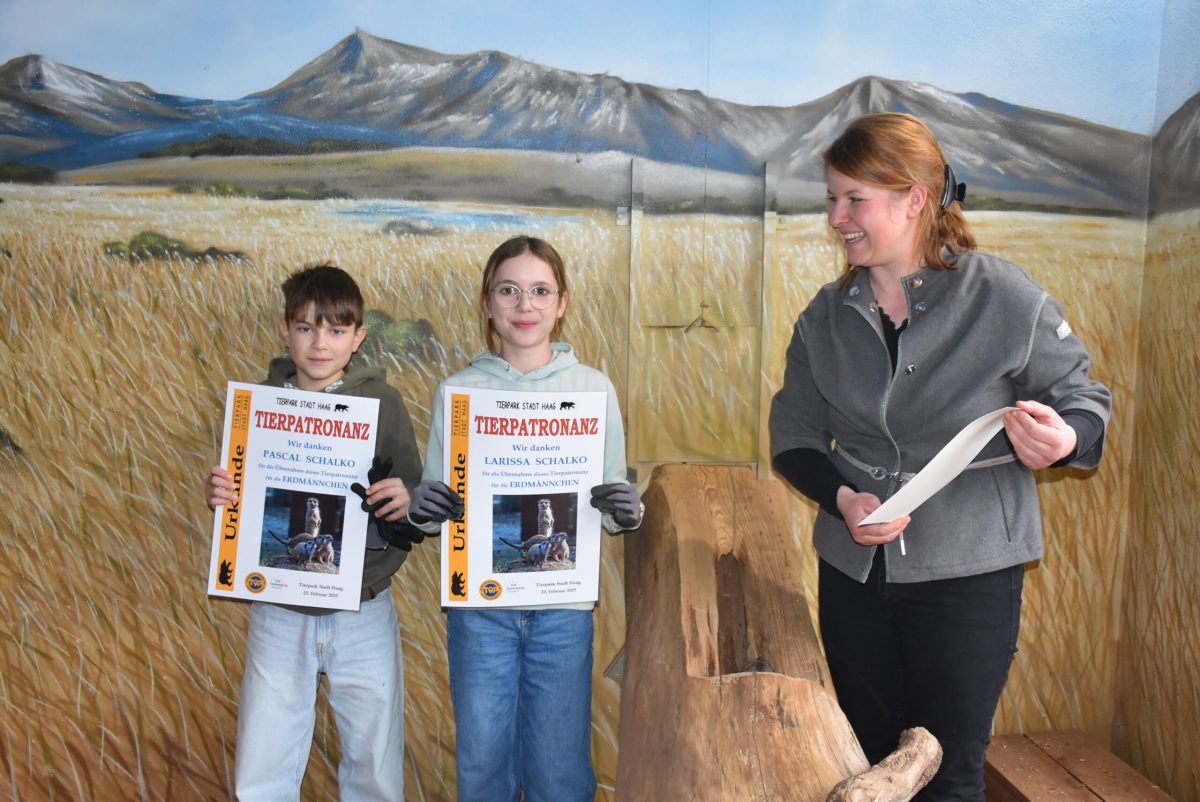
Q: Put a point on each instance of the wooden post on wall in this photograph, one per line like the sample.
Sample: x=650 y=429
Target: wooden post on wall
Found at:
x=769 y=268
x=637 y=207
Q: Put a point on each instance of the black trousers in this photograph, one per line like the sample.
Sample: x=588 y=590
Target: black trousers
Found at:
x=931 y=654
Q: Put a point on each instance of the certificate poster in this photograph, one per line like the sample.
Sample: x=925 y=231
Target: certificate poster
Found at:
x=525 y=464
x=296 y=534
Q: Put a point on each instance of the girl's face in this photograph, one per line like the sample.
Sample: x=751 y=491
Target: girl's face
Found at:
x=523 y=329
x=878 y=226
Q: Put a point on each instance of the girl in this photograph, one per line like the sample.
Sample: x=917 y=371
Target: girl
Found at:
x=521 y=679
x=921 y=335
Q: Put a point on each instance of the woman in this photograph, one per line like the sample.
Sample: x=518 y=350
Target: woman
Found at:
x=921 y=335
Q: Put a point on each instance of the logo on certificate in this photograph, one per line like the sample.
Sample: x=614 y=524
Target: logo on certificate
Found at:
x=256 y=582
x=491 y=590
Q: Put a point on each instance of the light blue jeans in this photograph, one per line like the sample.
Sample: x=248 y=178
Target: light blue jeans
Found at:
x=286 y=652
x=521 y=682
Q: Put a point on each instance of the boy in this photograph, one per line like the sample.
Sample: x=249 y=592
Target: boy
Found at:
x=288 y=648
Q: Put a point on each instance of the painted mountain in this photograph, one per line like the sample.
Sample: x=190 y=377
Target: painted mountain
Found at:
x=1175 y=174
x=371 y=89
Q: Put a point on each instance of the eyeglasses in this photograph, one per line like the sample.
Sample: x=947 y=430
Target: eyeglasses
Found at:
x=509 y=296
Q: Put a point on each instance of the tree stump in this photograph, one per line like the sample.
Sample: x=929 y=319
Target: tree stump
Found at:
x=725 y=693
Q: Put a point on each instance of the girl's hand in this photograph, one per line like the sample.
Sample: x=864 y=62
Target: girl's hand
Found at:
x=1038 y=435
x=856 y=506
x=621 y=501
x=435 y=502
x=218 y=488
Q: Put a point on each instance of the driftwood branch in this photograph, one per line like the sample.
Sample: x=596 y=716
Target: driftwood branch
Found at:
x=899 y=776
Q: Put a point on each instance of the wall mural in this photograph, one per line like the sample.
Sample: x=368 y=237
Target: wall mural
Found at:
x=143 y=239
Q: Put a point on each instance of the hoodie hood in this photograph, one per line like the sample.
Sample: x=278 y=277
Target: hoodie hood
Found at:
x=562 y=357
x=282 y=372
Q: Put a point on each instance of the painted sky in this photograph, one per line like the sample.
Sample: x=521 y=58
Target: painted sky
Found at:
x=1093 y=59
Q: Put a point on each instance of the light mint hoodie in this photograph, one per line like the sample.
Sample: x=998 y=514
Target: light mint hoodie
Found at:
x=563 y=373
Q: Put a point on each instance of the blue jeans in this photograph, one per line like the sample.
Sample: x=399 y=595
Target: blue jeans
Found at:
x=521 y=681
x=931 y=654
x=286 y=652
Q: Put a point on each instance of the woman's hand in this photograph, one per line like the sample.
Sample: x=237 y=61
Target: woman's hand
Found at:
x=856 y=506
x=1038 y=435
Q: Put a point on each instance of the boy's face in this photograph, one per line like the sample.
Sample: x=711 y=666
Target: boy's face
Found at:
x=320 y=352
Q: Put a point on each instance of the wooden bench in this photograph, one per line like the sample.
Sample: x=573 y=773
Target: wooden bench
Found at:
x=1063 y=767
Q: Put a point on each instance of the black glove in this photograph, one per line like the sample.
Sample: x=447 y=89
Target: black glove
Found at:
x=621 y=501
x=380 y=468
x=393 y=533
x=434 y=502
x=401 y=534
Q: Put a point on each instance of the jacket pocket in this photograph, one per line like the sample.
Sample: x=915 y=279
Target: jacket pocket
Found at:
x=1006 y=510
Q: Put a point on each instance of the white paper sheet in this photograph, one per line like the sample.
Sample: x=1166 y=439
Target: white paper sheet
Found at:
x=946 y=464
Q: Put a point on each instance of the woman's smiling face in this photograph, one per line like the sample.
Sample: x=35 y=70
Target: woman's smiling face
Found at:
x=878 y=226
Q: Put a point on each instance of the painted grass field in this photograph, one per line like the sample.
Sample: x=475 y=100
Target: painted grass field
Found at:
x=119 y=676
x=1157 y=721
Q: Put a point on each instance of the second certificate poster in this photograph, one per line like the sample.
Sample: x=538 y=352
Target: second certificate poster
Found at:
x=525 y=464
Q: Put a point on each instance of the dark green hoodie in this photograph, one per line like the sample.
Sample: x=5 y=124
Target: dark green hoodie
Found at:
x=394 y=438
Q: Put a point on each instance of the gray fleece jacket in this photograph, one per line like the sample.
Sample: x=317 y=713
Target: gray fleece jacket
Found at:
x=979 y=337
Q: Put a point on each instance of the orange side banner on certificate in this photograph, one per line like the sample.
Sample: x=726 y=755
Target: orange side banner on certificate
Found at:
x=524 y=464
x=457 y=573
x=231 y=516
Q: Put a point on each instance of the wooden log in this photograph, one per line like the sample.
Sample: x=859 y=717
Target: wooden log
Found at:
x=725 y=693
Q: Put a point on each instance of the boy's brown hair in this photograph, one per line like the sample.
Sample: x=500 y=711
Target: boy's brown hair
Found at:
x=330 y=291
